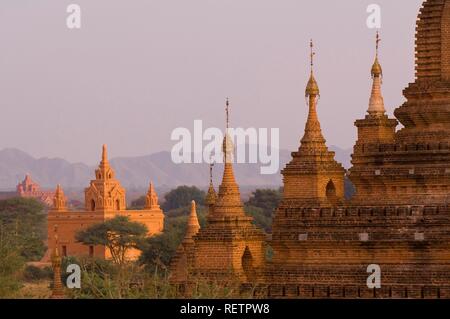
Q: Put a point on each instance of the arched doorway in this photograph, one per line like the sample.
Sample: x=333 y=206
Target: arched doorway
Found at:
x=117 y=205
x=247 y=264
x=92 y=205
x=331 y=192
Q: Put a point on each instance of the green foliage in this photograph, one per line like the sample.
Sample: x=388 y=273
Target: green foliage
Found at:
x=98 y=279
x=183 y=196
x=22 y=228
x=102 y=280
x=28 y=210
x=33 y=273
x=119 y=234
x=266 y=199
x=138 y=203
x=11 y=264
x=261 y=206
x=160 y=249
x=260 y=218
x=25 y=220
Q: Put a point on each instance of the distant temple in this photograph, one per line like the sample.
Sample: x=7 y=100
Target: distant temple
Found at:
x=324 y=244
x=104 y=199
x=30 y=189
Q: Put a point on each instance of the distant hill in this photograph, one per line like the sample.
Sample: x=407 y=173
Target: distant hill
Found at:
x=133 y=172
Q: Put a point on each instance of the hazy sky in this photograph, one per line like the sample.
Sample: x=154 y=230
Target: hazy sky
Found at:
x=138 y=69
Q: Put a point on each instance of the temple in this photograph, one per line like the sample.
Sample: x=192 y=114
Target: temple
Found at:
x=230 y=248
x=104 y=199
x=28 y=188
x=399 y=219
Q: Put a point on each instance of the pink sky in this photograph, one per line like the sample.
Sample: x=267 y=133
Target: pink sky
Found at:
x=138 y=69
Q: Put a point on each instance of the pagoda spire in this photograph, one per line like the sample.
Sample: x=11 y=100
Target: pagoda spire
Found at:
x=57 y=291
x=104 y=163
x=59 y=200
x=104 y=154
x=151 y=200
x=376 y=102
x=313 y=133
x=211 y=196
x=229 y=198
x=104 y=169
x=193 y=225
x=228 y=146
x=105 y=191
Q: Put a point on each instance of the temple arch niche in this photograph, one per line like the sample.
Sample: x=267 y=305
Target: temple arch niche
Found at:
x=331 y=192
x=247 y=264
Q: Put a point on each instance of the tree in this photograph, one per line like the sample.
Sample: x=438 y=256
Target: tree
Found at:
x=260 y=218
x=266 y=199
x=118 y=234
x=261 y=206
x=160 y=249
x=11 y=264
x=24 y=220
x=138 y=203
x=182 y=196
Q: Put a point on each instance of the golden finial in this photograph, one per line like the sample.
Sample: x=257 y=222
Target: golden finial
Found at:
x=377 y=71
x=227 y=109
x=211 y=195
x=227 y=146
x=312 y=89
x=378 y=40
x=211 y=172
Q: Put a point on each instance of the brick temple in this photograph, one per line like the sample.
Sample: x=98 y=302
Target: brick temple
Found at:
x=28 y=188
x=322 y=242
x=104 y=199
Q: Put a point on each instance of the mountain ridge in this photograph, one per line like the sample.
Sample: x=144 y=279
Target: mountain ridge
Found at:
x=133 y=172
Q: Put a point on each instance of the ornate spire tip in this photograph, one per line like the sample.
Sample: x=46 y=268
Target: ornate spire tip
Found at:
x=311 y=45
x=227 y=109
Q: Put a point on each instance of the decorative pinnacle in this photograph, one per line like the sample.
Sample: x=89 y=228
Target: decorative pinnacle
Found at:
x=377 y=71
x=227 y=146
x=227 y=109
x=104 y=154
x=211 y=172
x=211 y=195
x=312 y=88
x=378 y=41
